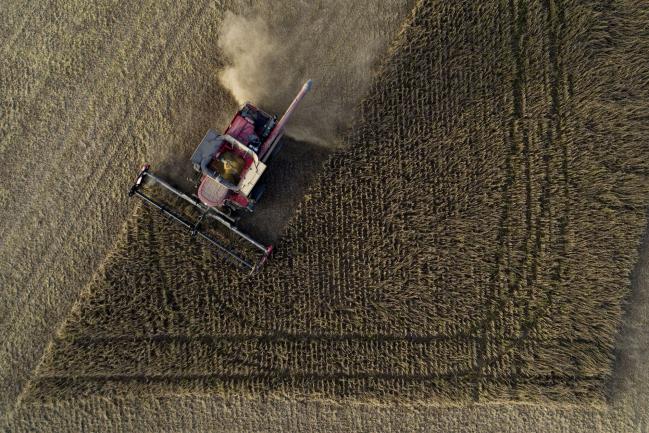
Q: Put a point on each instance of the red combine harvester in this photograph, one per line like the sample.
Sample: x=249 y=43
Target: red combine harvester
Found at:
x=230 y=167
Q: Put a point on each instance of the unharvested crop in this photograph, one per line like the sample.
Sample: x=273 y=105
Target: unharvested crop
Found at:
x=472 y=242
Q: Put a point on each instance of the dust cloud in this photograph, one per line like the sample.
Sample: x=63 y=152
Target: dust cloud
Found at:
x=269 y=59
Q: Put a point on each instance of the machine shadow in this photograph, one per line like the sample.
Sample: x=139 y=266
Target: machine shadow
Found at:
x=630 y=378
x=286 y=180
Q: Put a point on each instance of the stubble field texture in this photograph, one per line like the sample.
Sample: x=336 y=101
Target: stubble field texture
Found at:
x=471 y=240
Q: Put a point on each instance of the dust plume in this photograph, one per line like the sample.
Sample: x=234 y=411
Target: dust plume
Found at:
x=268 y=59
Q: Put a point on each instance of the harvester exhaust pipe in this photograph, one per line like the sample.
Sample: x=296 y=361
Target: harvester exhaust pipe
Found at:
x=279 y=127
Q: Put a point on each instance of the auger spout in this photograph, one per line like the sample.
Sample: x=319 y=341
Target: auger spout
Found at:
x=279 y=127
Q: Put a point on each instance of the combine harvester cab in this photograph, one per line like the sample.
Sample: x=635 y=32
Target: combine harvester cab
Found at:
x=230 y=167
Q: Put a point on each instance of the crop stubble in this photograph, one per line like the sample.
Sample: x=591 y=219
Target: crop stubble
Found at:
x=471 y=243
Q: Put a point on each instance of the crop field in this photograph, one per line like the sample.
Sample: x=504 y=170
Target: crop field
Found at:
x=90 y=91
x=454 y=253
x=470 y=239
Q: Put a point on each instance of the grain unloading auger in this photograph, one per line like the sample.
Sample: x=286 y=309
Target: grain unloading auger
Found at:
x=230 y=167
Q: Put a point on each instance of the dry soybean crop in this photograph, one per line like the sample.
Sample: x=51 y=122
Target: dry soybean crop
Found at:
x=470 y=240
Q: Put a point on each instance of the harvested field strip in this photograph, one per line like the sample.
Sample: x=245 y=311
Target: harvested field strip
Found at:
x=44 y=62
x=14 y=13
x=163 y=60
x=98 y=176
x=472 y=242
x=64 y=150
x=65 y=194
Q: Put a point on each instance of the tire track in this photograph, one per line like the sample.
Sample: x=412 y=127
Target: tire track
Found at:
x=493 y=295
x=533 y=316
